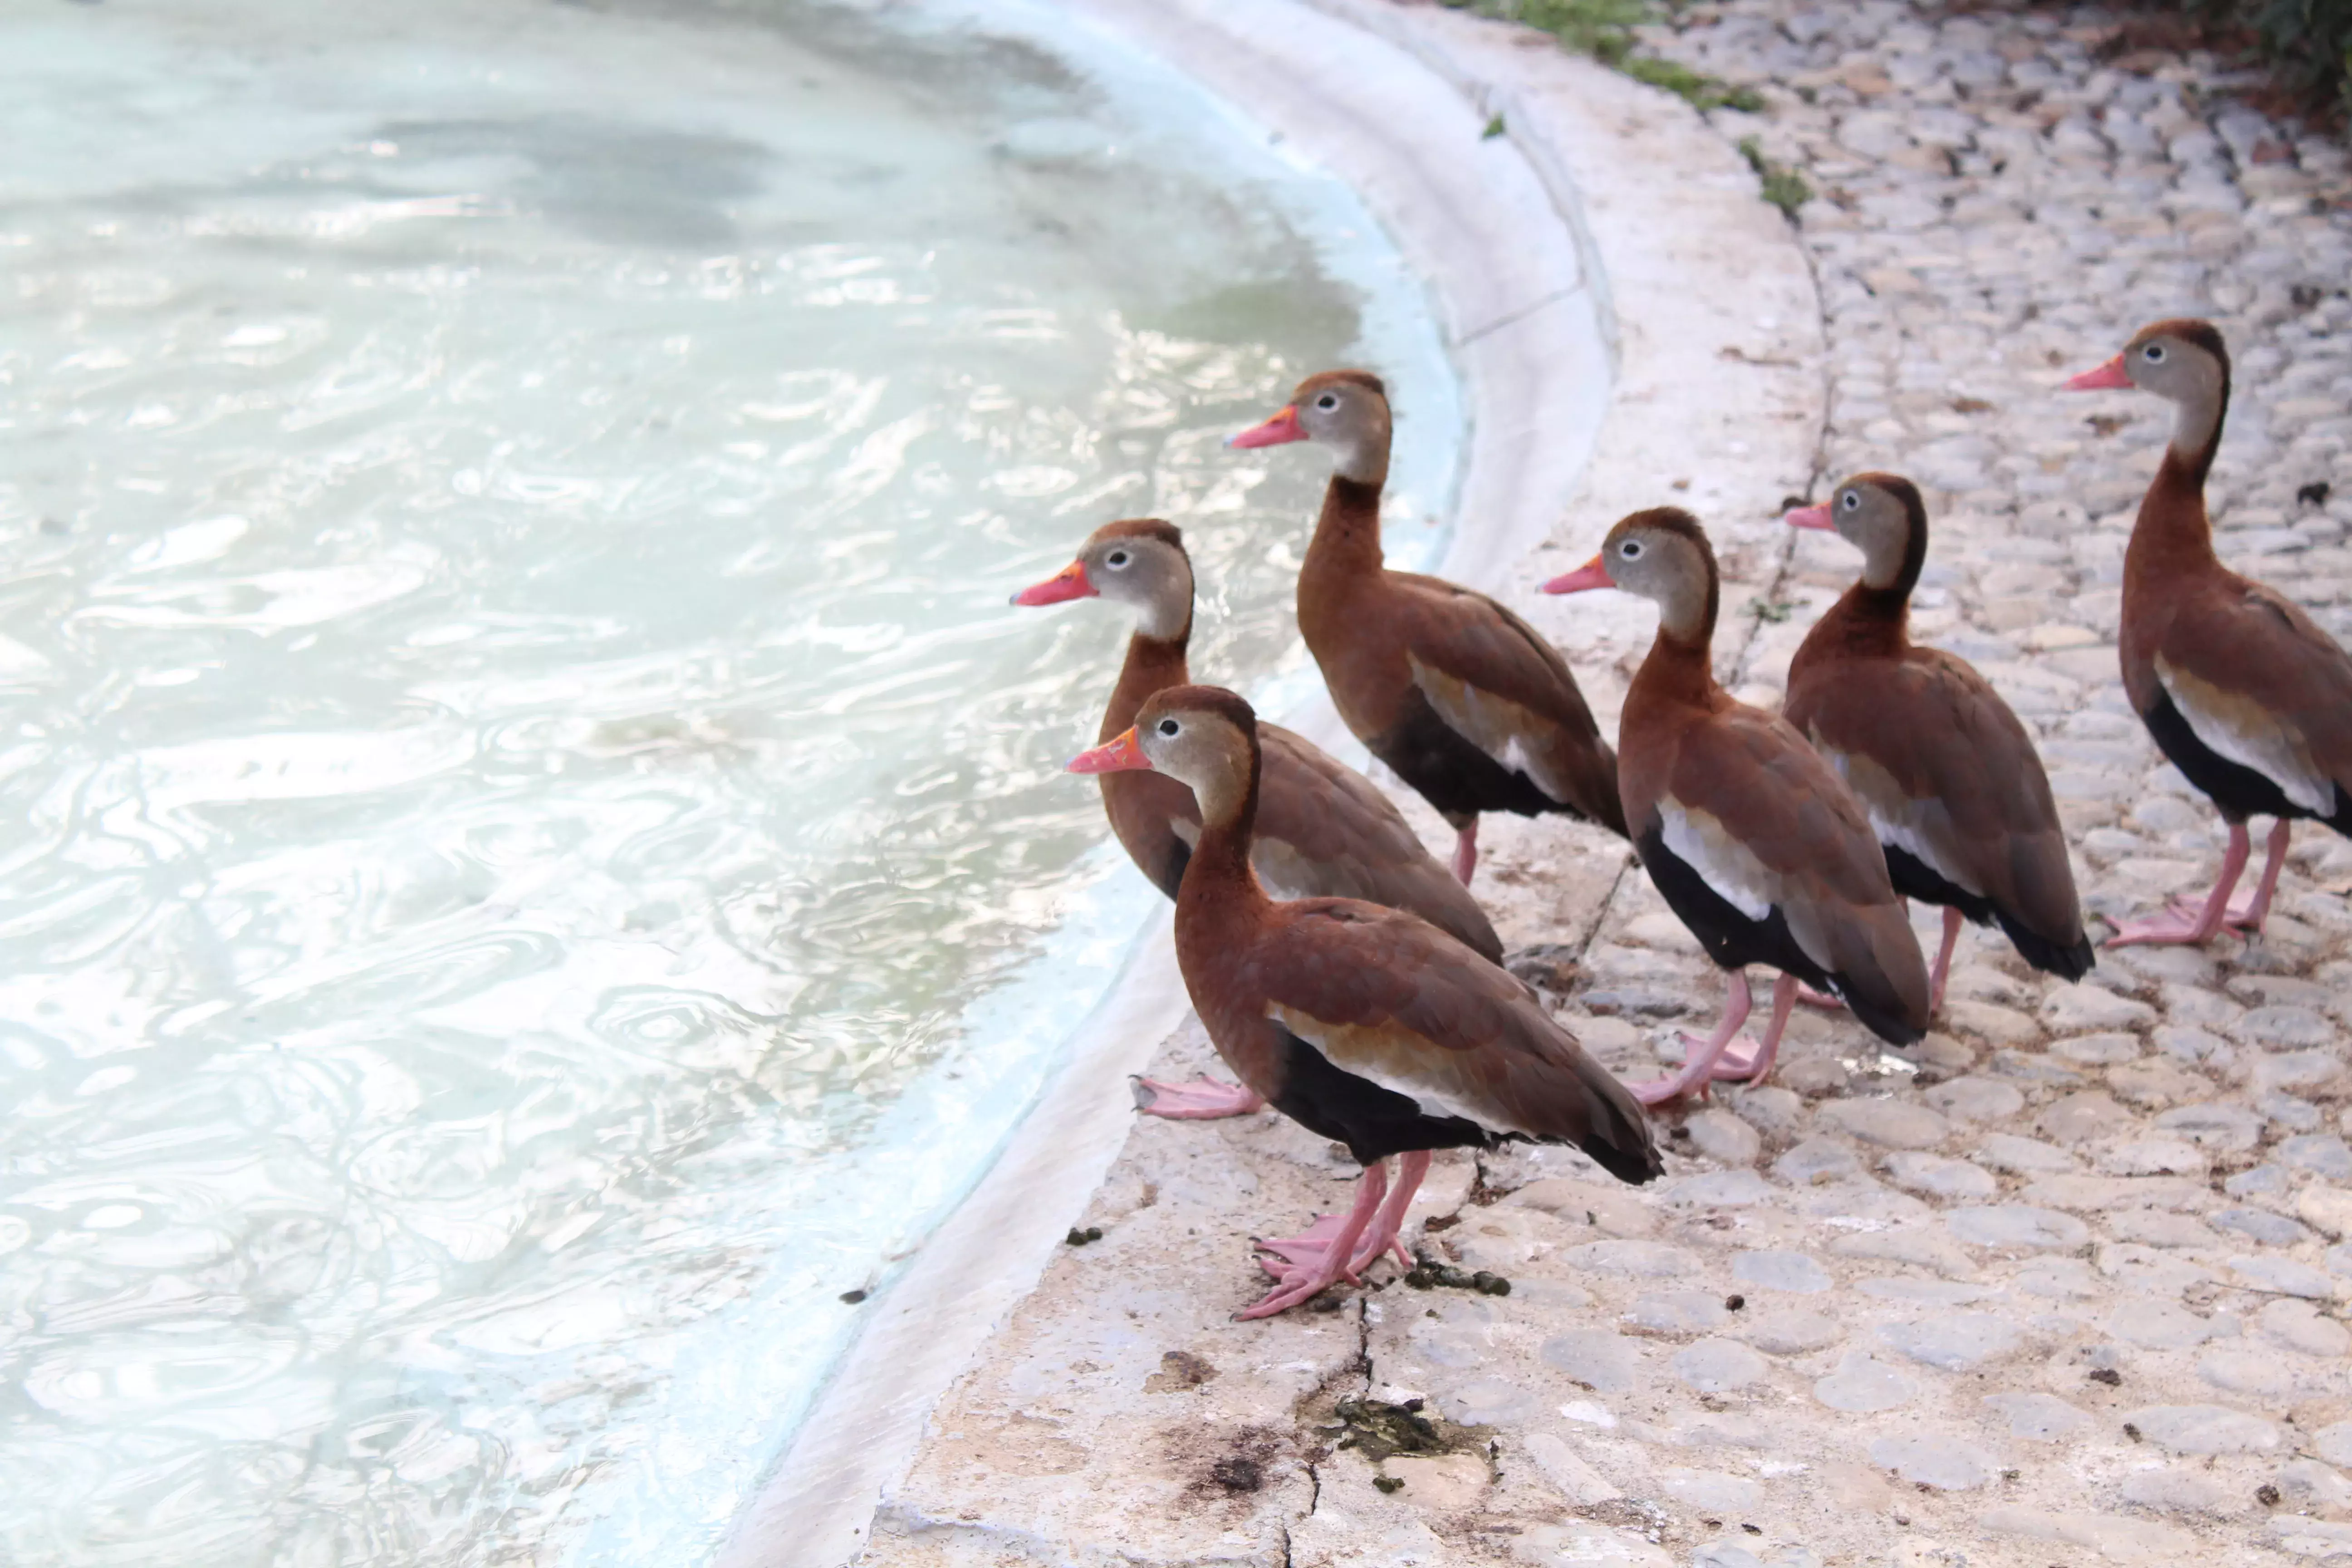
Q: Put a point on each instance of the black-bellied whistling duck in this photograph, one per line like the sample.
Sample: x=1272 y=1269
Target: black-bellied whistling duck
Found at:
x=2249 y=698
x=1461 y=699
x=1750 y=837
x=1946 y=771
x=1365 y=1025
x=1323 y=828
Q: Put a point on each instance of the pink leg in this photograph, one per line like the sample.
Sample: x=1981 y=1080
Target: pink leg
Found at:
x=1203 y=1099
x=2248 y=911
x=2177 y=928
x=1305 y=1281
x=1698 y=1067
x=1952 y=921
x=1382 y=1237
x=1466 y=851
x=1738 y=1061
x=1812 y=998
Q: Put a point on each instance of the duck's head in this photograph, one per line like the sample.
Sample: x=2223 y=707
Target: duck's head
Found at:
x=1346 y=411
x=1663 y=555
x=1203 y=736
x=1139 y=562
x=1880 y=515
x=2183 y=361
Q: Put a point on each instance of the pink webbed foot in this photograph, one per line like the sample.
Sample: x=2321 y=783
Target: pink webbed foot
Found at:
x=1203 y=1099
x=1323 y=1253
x=2175 y=927
x=2238 y=914
x=1310 y=1250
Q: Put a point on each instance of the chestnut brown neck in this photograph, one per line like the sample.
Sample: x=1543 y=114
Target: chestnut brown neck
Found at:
x=1218 y=877
x=1152 y=666
x=1347 y=541
x=2172 y=535
x=1866 y=623
x=1679 y=672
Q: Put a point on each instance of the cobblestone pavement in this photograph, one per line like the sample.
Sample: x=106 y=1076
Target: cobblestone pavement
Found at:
x=2066 y=1286
x=2071 y=1290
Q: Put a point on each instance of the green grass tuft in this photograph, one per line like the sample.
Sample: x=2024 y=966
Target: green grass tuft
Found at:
x=1783 y=186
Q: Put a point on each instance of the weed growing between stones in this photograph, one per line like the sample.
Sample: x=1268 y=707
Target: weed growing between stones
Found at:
x=1783 y=186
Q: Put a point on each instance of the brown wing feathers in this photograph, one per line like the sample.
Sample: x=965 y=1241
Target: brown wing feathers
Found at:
x=1389 y=999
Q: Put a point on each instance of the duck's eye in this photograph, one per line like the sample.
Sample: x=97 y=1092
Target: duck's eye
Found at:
x=1169 y=726
x=2153 y=353
x=1116 y=559
x=1327 y=402
x=1851 y=500
x=1630 y=550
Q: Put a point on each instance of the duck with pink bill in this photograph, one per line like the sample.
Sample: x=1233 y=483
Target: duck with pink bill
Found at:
x=1954 y=790
x=2239 y=688
x=1364 y=1025
x=1323 y=828
x=1753 y=841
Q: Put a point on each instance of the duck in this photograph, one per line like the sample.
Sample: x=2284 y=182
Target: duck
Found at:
x=1461 y=699
x=1365 y=1025
x=1953 y=788
x=2239 y=688
x=1752 y=838
x=1323 y=828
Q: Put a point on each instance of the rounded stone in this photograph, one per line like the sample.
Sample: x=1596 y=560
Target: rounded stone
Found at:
x=2204 y=1429
x=2285 y=1029
x=2154 y=1157
x=2060 y=1279
x=2284 y=1276
x=1720 y=1367
x=1889 y=1124
x=1791 y=1332
x=2098 y=1051
x=2038 y=1417
x=1934 y=1459
x=1816 y=1160
x=2010 y=1227
x=1489 y=1401
x=2323 y=1154
x=2259 y=1372
x=2178 y=1491
x=1724 y=1138
x=2333 y=1444
x=2300 y=1326
x=1735 y=1189
x=1790 y=1271
x=2161 y=1227
x=1862 y=1385
x=1712 y=1490
x=1642 y=1259
x=2159 y=1325
x=2222 y=1128
x=2024 y=1156
x=1954 y=1342
x=1603 y=1361
x=1973 y=1099
x=1681 y=1312
x=1940 y=1176
x=1929 y=1292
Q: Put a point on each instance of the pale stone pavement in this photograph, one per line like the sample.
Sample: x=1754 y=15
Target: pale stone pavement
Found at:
x=2066 y=1286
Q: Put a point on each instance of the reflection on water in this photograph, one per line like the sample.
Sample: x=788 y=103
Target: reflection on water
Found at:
x=515 y=757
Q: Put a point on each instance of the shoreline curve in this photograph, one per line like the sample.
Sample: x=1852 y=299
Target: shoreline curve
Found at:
x=1609 y=223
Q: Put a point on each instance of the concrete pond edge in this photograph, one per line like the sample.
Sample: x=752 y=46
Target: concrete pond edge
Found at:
x=1621 y=306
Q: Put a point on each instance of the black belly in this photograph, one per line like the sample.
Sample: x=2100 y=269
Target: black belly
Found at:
x=1373 y=1122
x=1730 y=938
x=2238 y=791
x=1914 y=879
x=1453 y=774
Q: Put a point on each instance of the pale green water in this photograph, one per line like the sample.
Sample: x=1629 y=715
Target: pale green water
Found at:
x=517 y=766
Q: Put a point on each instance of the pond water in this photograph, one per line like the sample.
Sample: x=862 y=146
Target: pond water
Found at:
x=532 y=859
